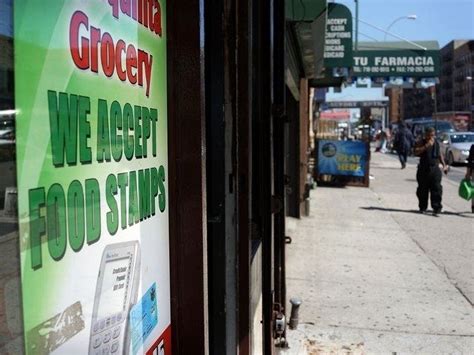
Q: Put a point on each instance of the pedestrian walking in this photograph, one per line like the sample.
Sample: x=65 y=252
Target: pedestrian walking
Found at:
x=383 y=141
x=378 y=141
x=403 y=143
x=470 y=171
x=387 y=137
x=429 y=174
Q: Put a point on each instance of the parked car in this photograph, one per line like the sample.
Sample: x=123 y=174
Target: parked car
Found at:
x=419 y=127
x=7 y=136
x=456 y=145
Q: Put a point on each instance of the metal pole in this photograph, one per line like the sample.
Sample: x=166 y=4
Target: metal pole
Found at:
x=384 y=117
x=357 y=25
x=390 y=26
x=471 y=121
x=295 y=307
x=435 y=109
x=393 y=35
x=409 y=17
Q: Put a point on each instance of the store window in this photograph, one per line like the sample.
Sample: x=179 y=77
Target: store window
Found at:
x=11 y=327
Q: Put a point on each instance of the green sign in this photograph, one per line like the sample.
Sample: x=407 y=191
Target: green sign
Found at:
x=92 y=166
x=304 y=10
x=338 y=37
x=386 y=63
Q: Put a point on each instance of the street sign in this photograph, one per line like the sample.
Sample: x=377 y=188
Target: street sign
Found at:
x=92 y=168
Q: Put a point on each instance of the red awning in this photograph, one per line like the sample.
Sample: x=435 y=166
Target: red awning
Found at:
x=339 y=115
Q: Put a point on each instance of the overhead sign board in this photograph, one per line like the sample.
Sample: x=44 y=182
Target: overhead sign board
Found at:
x=338 y=37
x=355 y=104
x=396 y=63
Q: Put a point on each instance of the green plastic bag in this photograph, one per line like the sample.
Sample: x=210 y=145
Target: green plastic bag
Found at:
x=466 y=190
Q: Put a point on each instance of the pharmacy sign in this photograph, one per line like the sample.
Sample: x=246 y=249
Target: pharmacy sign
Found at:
x=405 y=63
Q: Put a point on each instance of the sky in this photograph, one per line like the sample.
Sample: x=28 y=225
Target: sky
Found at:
x=441 y=20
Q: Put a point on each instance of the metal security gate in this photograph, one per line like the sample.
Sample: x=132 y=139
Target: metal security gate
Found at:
x=226 y=60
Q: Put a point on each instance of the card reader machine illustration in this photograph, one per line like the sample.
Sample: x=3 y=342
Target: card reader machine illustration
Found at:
x=116 y=293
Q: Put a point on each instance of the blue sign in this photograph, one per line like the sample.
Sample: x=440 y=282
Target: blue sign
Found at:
x=143 y=318
x=342 y=158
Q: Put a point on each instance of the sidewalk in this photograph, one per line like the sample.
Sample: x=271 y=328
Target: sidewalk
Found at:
x=375 y=276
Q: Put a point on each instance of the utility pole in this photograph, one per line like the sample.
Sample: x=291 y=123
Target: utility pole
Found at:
x=409 y=17
x=357 y=25
x=434 y=95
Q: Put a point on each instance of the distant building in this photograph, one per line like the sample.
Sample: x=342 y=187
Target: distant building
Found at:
x=455 y=92
x=395 y=111
x=409 y=103
x=417 y=103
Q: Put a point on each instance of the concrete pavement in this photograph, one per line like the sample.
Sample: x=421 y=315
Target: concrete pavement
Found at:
x=375 y=276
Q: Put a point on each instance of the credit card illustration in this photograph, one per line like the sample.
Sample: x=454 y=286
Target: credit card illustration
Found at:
x=143 y=319
x=51 y=334
x=116 y=293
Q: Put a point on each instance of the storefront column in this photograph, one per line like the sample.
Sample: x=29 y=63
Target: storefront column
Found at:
x=187 y=182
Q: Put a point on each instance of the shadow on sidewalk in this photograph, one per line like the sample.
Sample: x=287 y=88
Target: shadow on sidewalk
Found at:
x=448 y=213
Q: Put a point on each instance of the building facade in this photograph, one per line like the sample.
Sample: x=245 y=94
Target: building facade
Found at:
x=395 y=111
x=417 y=103
x=411 y=103
x=455 y=91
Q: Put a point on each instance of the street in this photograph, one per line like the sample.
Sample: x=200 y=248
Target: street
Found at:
x=456 y=173
x=377 y=277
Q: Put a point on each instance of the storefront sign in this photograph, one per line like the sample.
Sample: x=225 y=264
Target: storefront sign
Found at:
x=348 y=158
x=396 y=63
x=338 y=38
x=92 y=166
x=354 y=104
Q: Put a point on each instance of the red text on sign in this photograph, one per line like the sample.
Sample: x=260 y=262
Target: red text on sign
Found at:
x=97 y=51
